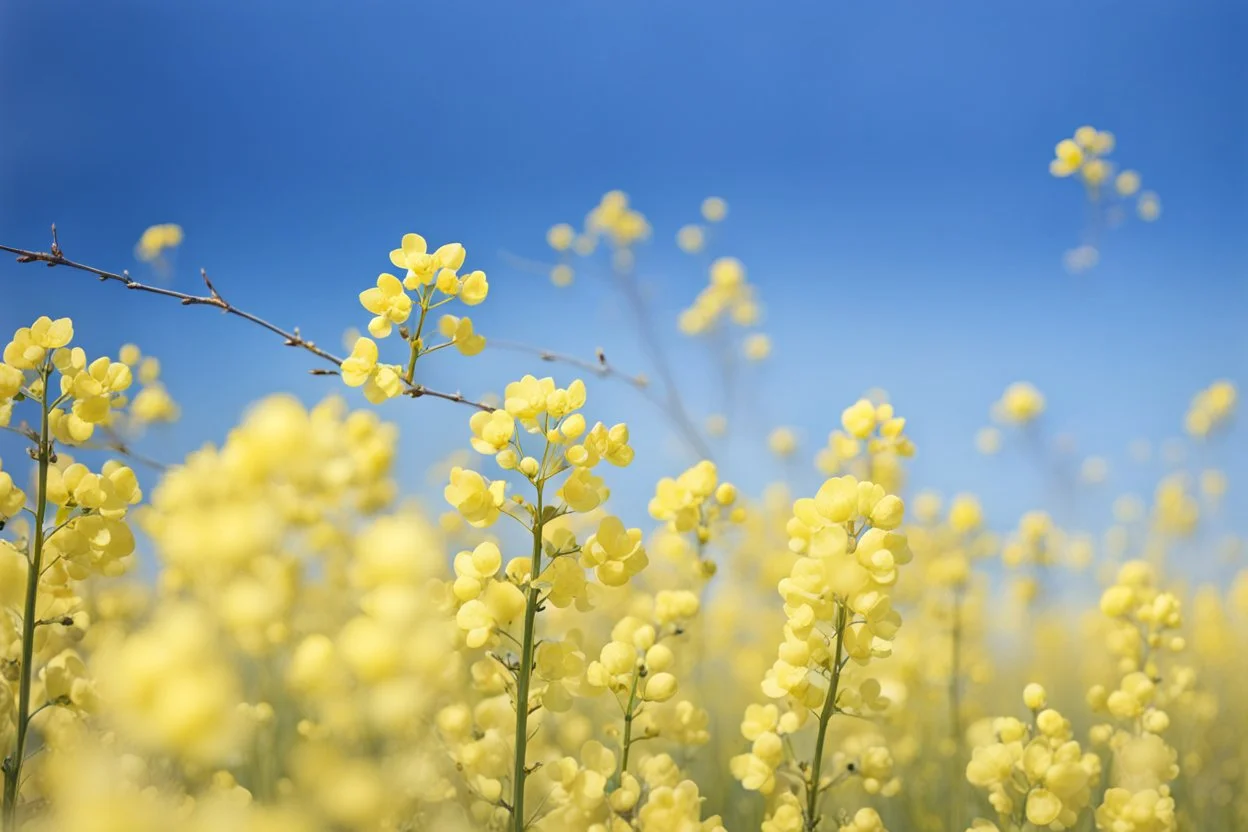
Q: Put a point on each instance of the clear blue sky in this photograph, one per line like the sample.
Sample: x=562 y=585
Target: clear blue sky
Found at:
x=885 y=164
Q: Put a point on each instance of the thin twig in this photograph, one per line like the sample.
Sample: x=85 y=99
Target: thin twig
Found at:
x=526 y=264
x=117 y=444
x=650 y=342
x=56 y=257
x=601 y=368
x=670 y=402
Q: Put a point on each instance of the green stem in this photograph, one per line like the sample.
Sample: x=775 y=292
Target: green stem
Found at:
x=410 y=374
x=523 y=681
x=13 y=765
x=825 y=716
x=629 y=713
x=955 y=705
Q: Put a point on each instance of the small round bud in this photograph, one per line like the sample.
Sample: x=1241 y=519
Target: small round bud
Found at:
x=1034 y=696
x=660 y=687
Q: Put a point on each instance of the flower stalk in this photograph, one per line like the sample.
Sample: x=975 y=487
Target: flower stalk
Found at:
x=13 y=764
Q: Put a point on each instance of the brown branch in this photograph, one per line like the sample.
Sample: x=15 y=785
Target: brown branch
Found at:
x=601 y=367
x=56 y=257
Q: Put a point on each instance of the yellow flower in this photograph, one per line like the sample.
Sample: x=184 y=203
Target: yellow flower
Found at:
x=560 y=237
x=10 y=381
x=30 y=344
x=1021 y=403
x=1085 y=137
x=526 y=399
x=583 y=491
x=492 y=432
x=660 y=687
x=782 y=442
x=156 y=239
x=413 y=256
x=478 y=502
x=388 y=302
x=1069 y=157
x=1095 y=171
x=690 y=239
x=864 y=820
x=12 y=499
x=614 y=552
x=859 y=419
x=714 y=209
x=1127 y=183
x=757 y=347
x=1043 y=807
x=360 y=369
x=461 y=334
x=1149 y=206
x=474 y=288
x=358 y=366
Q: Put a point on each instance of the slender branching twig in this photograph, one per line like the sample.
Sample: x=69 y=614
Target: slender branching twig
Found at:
x=293 y=338
x=601 y=367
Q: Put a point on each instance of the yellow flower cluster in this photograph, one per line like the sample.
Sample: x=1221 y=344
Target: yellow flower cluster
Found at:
x=92 y=390
x=78 y=531
x=1035 y=772
x=1086 y=154
x=435 y=278
x=1020 y=404
x=727 y=297
x=231 y=523
x=291 y=621
x=692 y=237
x=870 y=444
x=838 y=609
x=948 y=545
x=305 y=654
x=1210 y=409
x=1143 y=624
x=697 y=503
x=152 y=404
x=613 y=219
x=492 y=597
x=156 y=240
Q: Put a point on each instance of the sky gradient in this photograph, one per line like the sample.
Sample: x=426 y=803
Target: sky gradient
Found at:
x=884 y=164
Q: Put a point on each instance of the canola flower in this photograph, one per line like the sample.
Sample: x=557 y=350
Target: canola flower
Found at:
x=80 y=528
x=157 y=240
x=1107 y=187
x=316 y=653
x=434 y=277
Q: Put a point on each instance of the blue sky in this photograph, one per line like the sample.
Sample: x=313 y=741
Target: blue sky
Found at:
x=885 y=165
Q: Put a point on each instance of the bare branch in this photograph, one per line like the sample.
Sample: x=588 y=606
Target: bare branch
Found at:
x=600 y=368
x=56 y=257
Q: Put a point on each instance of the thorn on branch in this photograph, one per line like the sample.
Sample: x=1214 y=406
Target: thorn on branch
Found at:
x=318 y=371
x=212 y=290
x=56 y=245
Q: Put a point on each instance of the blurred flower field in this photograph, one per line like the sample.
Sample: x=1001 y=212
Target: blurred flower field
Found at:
x=310 y=649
